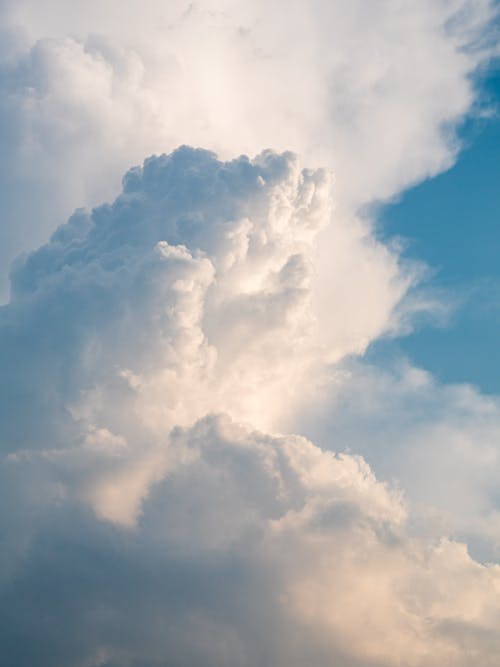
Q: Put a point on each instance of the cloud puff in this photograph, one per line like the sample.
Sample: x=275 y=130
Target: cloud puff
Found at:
x=198 y=281
x=154 y=350
x=373 y=91
x=254 y=549
x=146 y=519
x=188 y=295
x=439 y=441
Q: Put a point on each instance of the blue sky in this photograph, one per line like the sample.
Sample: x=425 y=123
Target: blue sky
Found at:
x=452 y=222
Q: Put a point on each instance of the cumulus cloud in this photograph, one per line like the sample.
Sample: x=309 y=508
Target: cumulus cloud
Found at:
x=211 y=267
x=152 y=351
x=198 y=275
x=373 y=91
x=439 y=441
x=255 y=549
x=156 y=351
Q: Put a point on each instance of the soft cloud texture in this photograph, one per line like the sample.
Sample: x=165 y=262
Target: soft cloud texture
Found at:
x=372 y=90
x=439 y=441
x=190 y=294
x=156 y=351
x=143 y=529
x=256 y=549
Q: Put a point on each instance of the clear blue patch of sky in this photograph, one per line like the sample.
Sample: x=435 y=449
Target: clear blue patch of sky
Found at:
x=452 y=222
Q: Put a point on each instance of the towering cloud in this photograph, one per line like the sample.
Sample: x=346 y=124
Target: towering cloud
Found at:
x=163 y=356
x=154 y=514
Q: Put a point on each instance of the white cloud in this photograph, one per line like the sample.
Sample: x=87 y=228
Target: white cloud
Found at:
x=199 y=280
x=188 y=295
x=142 y=528
x=254 y=548
x=439 y=442
x=371 y=90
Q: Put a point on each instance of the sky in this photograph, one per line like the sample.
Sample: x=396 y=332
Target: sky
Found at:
x=451 y=222
x=249 y=408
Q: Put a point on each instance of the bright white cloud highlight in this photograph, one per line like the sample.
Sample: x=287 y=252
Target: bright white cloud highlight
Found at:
x=372 y=90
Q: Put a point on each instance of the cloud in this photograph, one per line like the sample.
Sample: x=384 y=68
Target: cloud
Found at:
x=254 y=549
x=438 y=441
x=372 y=92
x=198 y=275
x=156 y=350
x=209 y=267
x=152 y=512
x=188 y=295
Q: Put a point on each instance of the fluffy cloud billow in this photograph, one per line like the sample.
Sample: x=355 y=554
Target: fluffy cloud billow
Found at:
x=439 y=441
x=372 y=90
x=257 y=549
x=154 y=511
x=198 y=466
